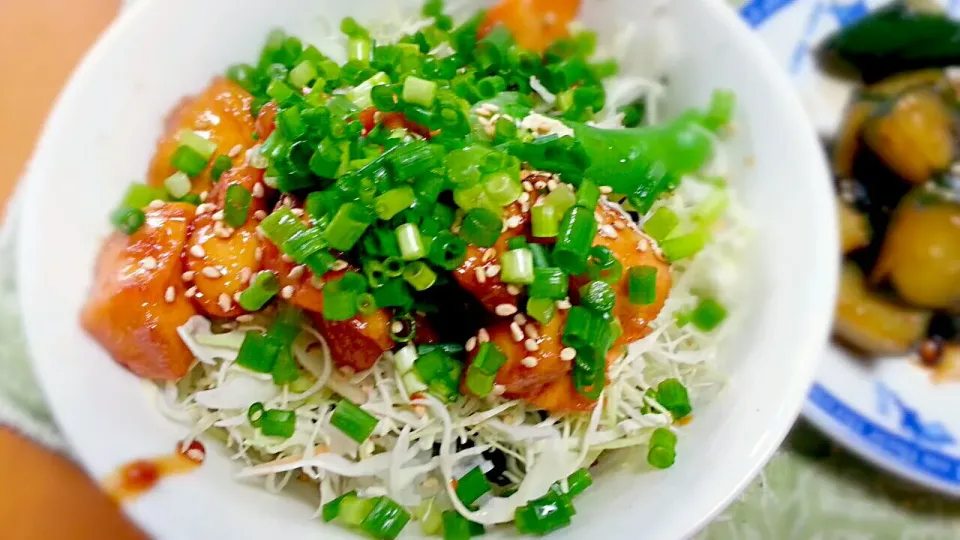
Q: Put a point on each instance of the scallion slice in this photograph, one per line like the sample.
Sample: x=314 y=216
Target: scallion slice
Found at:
x=661 y=224
x=278 y=423
x=237 y=205
x=662 y=449
x=598 y=296
x=265 y=285
x=394 y=201
x=385 y=520
x=410 y=242
x=708 y=314
x=642 y=285
x=202 y=145
x=347 y=226
x=673 y=396
x=549 y=283
x=128 y=220
x=472 y=486
x=481 y=227
x=577 y=230
x=419 y=91
x=257 y=353
x=517 y=267
x=353 y=421
x=419 y=275
x=542 y=309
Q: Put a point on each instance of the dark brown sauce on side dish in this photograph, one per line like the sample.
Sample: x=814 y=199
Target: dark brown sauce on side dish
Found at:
x=140 y=476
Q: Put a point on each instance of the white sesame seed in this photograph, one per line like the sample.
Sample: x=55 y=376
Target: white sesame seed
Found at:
x=488 y=255
x=492 y=107
x=317 y=282
x=191 y=292
x=296 y=211
x=483 y=336
x=504 y=228
x=286 y=258
x=188 y=275
x=513 y=290
x=505 y=310
x=493 y=270
x=223 y=232
x=396 y=327
x=540 y=184
x=564 y=304
x=531 y=345
x=296 y=272
x=642 y=245
x=516 y=331
x=568 y=353
x=499 y=389
x=203 y=208
x=531 y=331
x=258 y=254
x=235 y=151
x=530 y=362
x=211 y=272
x=245 y=318
x=520 y=319
x=471 y=344
x=481 y=275
x=524 y=197
x=619 y=225
x=287 y=292
x=257 y=191
x=236 y=297
x=149 y=263
x=524 y=207
x=156 y=203
x=204 y=195
x=245 y=273
x=606 y=190
x=552 y=184
x=197 y=251
x=225 y=302
x=260 y=215
x=608 y=231
x=527 y=186
x=338 y=265
x=218 y=215
x=169 y=294
x=514 y=221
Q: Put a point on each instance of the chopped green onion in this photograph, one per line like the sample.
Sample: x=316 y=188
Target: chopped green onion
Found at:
x=687 y=245
x=188 y=160
x=128 y=220
x=578 y=482
x=141 y=195
x=661 y=224
x=285 y=368
x=386 y=519
x=542 y=516
x=366 y=304
x=674 y=398
x=478 y=383
x=221 y=165
x=541 y=258
x=255 y=414
x=281 y=225
x=577 y=230
x=720 y=113
x=457 y=527
x=265 y=285
x=447 y=251
x=177 y=184
x=419 y=275
x=393 y=293
x=517 y=267
x=504 y=130
x=353 y=510
x=393 y=267
x=489 y=358
x=708 y=314
x=302 y=74
x=339 y=302
x=286 y=326
x=304 y=245
x=394 y=201
x=472 y=486
x=278 y=423
x=642 y=285
x=546 y=221
x=237 y=205
x=353 y=421
x=603 y=265
x=517 y=242
x=257 y=353
x=588 y=383
x=542 y=309
x=561 y=199
x=384 y=97
x=419 y=91
x=549 y=283
x=203 y=146
x=359 y=49
x=588 y=194
x=501 y=188
x=712 y=208
x=347 y=226
x=662 y=450
x=481 y=227
x=412 y=159
x=331 y=510
x=359 y=95
x=410 y=241
x=598 y=296
x=280 y=91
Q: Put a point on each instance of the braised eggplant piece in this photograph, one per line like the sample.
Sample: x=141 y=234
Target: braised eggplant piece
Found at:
x=913 y=135
x=873 y=324
x=921 y=254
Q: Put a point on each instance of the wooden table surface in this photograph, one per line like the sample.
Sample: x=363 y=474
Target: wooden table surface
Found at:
x=44 y=495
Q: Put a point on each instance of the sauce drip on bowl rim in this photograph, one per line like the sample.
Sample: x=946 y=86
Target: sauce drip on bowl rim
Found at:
x=138 y=477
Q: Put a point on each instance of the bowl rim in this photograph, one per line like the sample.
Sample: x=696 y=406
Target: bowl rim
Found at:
x=816 y=323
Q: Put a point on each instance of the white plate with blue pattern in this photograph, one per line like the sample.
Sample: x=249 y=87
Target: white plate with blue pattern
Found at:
x=890 y=411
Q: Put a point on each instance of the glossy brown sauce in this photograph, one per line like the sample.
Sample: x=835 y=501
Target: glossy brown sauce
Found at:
x=140 y=476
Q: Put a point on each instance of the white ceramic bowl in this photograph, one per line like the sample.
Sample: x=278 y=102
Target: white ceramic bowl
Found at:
x=100 y=137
